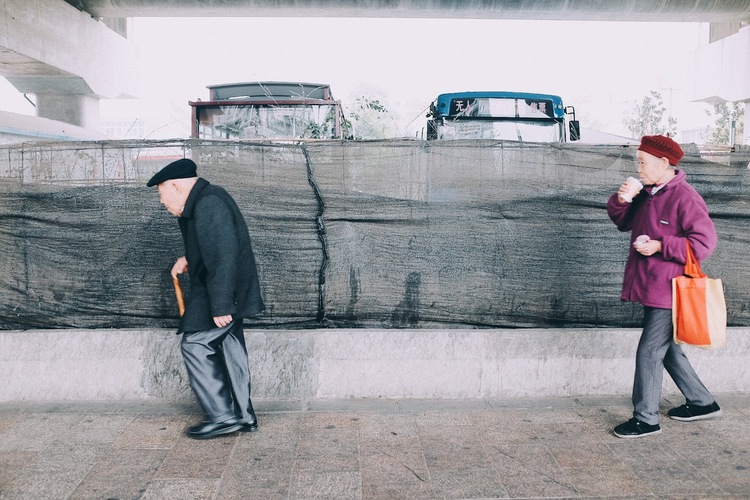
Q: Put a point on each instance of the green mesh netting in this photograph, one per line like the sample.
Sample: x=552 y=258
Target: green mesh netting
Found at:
x=394 y=234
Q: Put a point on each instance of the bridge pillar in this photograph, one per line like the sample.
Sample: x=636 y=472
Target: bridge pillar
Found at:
x=80 y=110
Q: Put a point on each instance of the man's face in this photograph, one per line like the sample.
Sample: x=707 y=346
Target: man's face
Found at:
x=171 y=197
x=651 y=169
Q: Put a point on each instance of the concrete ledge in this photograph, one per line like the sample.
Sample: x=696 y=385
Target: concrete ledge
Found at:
x=85 y=365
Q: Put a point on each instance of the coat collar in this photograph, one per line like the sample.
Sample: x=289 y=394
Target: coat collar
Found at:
x=679 y=178
x=199 y=185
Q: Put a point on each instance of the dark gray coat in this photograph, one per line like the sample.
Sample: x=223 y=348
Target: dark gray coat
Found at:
x=221 y=264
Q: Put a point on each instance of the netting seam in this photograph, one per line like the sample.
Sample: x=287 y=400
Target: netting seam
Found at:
x=320 y=219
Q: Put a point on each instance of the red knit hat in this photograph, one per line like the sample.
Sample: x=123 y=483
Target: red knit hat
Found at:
x=662 y=147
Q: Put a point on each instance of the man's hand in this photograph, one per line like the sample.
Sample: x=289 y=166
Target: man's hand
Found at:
x=222 y=321
x=179 y=267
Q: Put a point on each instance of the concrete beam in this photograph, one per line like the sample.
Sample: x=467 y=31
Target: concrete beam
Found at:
x=624 y=10
x=48 y=44
x=65 y=57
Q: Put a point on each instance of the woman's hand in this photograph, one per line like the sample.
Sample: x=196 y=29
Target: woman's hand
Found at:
x=648 y=248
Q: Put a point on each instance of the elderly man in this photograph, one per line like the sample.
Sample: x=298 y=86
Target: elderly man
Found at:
x=224 y=289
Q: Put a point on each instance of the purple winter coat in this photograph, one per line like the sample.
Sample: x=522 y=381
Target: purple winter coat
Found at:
x=675 y=213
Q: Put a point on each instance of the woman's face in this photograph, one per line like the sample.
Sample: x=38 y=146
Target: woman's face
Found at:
x=652 y=170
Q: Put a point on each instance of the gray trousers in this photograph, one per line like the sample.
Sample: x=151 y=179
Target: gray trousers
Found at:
x=657 y=352
x=217 y=366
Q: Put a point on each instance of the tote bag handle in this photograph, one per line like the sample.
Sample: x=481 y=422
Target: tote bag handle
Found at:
x=692 y=268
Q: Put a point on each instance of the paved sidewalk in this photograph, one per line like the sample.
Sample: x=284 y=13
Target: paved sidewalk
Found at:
x=371 y=449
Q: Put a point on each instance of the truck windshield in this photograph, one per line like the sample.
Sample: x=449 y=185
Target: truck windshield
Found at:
x=501 y=130
x=308 y=121
x=268 y=111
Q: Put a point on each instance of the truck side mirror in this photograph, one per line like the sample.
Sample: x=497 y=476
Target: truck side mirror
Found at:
x=575 y=130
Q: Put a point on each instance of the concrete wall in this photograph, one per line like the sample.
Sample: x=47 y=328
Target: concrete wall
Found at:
x=39 y=365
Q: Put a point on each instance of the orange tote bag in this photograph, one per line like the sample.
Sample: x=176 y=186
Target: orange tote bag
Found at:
x=699 y=312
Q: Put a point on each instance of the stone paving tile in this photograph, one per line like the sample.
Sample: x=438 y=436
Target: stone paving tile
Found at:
x=578 y=454
x=538 y=486
x=730 y=482
x=257 y=485
x=528 y=470
x=197 y=459
x=7 y=420
x=603 y=420
x=509 y=428
x=262 y=462
x=120 y=474
x=328 y=450
x=152 y=432
x=403 y=462
x=327 y=485
x=474 y=482
x=55 y=474
x=274 y=431
x=391 y=458
x=677 y=478
x=546 y=416
x=12 y=463
x=731 y=427
x=329 y=420
x=443 y=419
x=727 y=467
x=261 y=458
x=664 y=471
x=386 y=429
x=95 y=429
x=35 y=431
x=601 y=482
x=388 y=490
x=459 y=450
x=583 y=433
x=182 y=489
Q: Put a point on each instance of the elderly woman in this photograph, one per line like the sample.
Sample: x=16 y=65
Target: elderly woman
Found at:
x=662 y=217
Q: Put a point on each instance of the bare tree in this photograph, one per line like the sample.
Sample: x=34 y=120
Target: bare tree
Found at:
x=729 y=122
x=648 y=118
x=369 y=119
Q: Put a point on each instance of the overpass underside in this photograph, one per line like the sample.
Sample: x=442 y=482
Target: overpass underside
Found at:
x=626 y=10
x=65 y=54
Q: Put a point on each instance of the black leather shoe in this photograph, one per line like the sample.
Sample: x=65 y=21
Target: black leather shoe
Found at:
x=250 y=426
x=208 y=430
